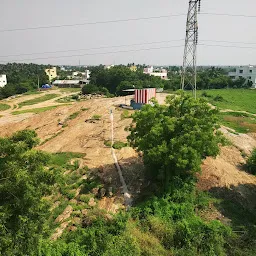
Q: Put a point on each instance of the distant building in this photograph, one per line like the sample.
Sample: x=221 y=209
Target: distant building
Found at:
x=247 y=72
x=87 y=74
x=51 y=73
x=69 y=83
x=160 y=73
x=3 y=81
x=109 y=66
x=133 y=68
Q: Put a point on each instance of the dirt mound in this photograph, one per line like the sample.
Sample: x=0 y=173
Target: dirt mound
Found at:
x=224 y=171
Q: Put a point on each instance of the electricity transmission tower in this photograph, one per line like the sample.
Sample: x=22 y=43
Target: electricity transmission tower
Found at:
x=188 y=77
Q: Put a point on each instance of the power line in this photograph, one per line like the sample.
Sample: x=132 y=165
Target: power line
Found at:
x=228 y=14
x=122 y=20
x=123 y=45
x=101 y=53
x=126 y=51
x=92 y=23
x=88 y=49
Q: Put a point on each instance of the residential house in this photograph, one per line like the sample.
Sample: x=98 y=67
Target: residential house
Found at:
x=247 y=72
x=162 y=73
x=51 y=73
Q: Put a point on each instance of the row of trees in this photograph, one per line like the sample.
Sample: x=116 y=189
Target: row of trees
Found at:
x=119 y=78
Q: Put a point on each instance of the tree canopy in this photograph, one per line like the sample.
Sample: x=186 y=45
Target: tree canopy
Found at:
x=24 y=181
x=175 y=137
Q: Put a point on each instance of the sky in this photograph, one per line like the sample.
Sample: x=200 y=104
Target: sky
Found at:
x=127 y=41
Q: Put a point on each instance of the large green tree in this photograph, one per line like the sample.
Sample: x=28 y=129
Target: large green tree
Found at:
x=175 y=137
x=24 y=180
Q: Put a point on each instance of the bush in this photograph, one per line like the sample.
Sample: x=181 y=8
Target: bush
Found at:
x=96 y=117
x=218 y=98
x=251 y=163
x=119 y=145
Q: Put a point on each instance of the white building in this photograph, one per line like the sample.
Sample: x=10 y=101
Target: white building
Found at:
x=87 y=74
x=3 y=81
x=160 y=73
x=247 y=72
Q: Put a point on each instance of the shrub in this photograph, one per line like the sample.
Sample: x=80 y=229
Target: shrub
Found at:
x=96 y=117
x=218 y=98
x=251 y=162
x=119 y=145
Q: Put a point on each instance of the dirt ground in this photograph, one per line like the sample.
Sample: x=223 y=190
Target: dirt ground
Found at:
x=82 y=135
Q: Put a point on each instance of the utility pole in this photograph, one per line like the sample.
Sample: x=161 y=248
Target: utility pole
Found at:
x=188 y=77
x=38 y=82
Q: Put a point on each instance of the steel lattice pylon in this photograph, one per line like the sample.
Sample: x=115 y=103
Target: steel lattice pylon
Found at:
x=188 y=77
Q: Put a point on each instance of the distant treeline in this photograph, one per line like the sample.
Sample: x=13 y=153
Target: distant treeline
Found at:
x=119 y=78
x=21 y=78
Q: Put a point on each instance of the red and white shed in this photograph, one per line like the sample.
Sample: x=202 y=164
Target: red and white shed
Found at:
x=143 y=96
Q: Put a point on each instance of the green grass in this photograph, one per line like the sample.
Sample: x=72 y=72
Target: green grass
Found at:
x=38 y=100
x=35 y=110
x=4 y=107
x=62 y=158
x=234 y=99
x=240 y=122
x=116 y=145
x=32 y=92
x=96 y=117
x=126 y=114
x=74 y=115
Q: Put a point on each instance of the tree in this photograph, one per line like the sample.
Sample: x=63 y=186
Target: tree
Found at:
x=24 y=181
x=175 y=137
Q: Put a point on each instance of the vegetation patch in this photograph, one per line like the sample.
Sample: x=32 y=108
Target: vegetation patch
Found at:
x=52 y=137
x=234 y=99
x=35 y=110
x=240 y=122
x=38 y=100
x=251 y=163
x=71 y=98
x=4 y=107
x=74 y=115
x=96 y=117
x=126 y=114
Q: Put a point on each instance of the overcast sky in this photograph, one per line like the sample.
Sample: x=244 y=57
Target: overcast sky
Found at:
x=36 y=13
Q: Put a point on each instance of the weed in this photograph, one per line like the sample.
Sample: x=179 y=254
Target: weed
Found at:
x=84 y=109
x=125 y=114
x=4 y=107
x=73 y=116
x=96 y=117
x=119 y=145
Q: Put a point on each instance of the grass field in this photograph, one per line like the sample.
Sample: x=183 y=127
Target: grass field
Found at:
x=31 y=92
x=240 y=122
x=234 y=99
x=4 y=107
x=35 y=110
x=38 y=100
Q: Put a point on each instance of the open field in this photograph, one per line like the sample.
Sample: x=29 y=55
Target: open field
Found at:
x=233 y=99
x=4 y=107
x=240 y=122
x=78 y=135
x=38 y=100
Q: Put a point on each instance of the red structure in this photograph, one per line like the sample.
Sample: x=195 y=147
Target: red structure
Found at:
x=143 y=96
